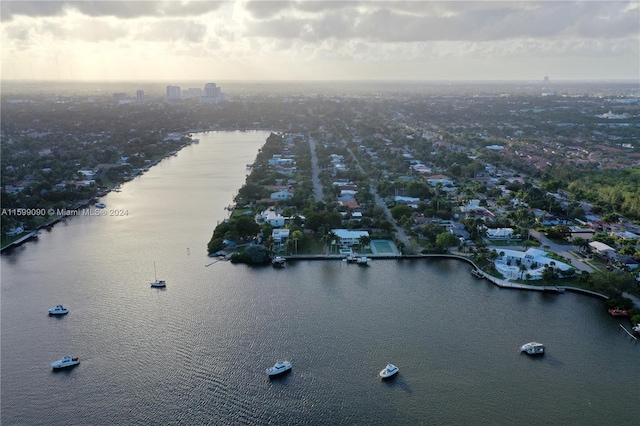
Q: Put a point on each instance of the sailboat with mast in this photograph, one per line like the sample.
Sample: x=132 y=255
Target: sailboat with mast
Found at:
x=157 y=282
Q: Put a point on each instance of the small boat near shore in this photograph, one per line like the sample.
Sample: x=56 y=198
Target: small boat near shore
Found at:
x=477 y=273
x=388 y=371
x=616 y=312
x=66 y=362
x=278 y=262
x=100 y=205
x=533 y=348
x=362 y=261
x=279 y=368
x=58 y=310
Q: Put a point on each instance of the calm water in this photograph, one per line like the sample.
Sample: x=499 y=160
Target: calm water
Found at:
x=195 y=352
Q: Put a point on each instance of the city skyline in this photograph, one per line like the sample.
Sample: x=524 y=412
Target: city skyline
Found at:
x=312 y=40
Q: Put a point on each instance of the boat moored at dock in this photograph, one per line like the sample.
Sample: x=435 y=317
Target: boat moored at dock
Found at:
x=278 y=262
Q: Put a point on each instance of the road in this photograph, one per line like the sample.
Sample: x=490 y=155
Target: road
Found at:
x=562 y=250
x=400 y=235
x=315 y=172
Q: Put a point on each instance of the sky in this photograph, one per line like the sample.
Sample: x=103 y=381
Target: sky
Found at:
x=319 y=40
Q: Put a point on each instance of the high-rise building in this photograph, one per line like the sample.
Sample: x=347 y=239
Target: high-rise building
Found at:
x=140 y=96
x=173 y=92
x=210 y=90
x=212 y=94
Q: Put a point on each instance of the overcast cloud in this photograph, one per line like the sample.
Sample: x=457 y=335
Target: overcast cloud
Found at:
x=155 y=40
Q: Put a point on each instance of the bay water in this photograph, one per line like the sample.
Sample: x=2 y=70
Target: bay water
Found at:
x=195 y=352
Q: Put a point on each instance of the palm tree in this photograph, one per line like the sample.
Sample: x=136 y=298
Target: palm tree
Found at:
x=522 y=268
x=329 y=238
x=325 y=240
x=295 y=236
x=364 y=241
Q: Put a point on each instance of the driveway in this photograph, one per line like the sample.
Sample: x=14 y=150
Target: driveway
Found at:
x=562 y=250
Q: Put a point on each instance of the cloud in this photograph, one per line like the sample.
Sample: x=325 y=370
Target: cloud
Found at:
x=431 y=21
x=118 y=9
x=172 y=30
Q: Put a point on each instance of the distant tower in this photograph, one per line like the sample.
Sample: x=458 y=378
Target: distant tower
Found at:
x=212 y=94
x=546 y=78
x=140 y=96
x=210 y=90
x=173 y=92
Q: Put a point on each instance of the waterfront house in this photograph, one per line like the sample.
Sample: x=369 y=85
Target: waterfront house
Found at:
x=280 y=236
x=348 y=237
x=534 y=260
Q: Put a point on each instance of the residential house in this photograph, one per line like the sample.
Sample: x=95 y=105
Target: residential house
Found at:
x=348 y=237
x=602 y=249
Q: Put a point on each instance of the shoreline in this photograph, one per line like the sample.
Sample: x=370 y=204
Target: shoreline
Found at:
x=480 y=273
x=101 y=193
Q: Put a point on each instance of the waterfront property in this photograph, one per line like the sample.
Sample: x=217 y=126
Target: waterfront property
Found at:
x=528 y=264
x=348 y=237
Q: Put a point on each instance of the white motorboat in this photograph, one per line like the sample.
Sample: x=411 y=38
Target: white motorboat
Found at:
x=58 y=310
x=66 y=362
x=278 y=261
x=389 y=371
x=362 y=261
x=533 y=348
x=157 y=282
x=279 y=368
x=100 y=205
x=351 y=258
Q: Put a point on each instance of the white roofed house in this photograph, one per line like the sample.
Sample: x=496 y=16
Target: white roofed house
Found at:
x=602 y=249
x=271 y=217
x=499 y=233
x=348 y=237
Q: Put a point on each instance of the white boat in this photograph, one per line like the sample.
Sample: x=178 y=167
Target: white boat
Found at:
x=279 y=368
x=278 y=261
x=58 y=310
x=636 y=328
x=100 y=205
x=66 y=362
x=389 y=371
x=533 y=348
x=362 y=260
x=157 y=282
x=351 y=258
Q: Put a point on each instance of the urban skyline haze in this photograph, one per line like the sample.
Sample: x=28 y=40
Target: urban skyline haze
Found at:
x=320 y=40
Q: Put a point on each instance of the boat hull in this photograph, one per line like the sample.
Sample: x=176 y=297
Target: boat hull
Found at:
x=65 y=363
x=389 y=371
x=278 y=369
x=533 y=348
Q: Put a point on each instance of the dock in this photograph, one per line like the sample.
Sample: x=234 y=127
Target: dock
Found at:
x=628 y=333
